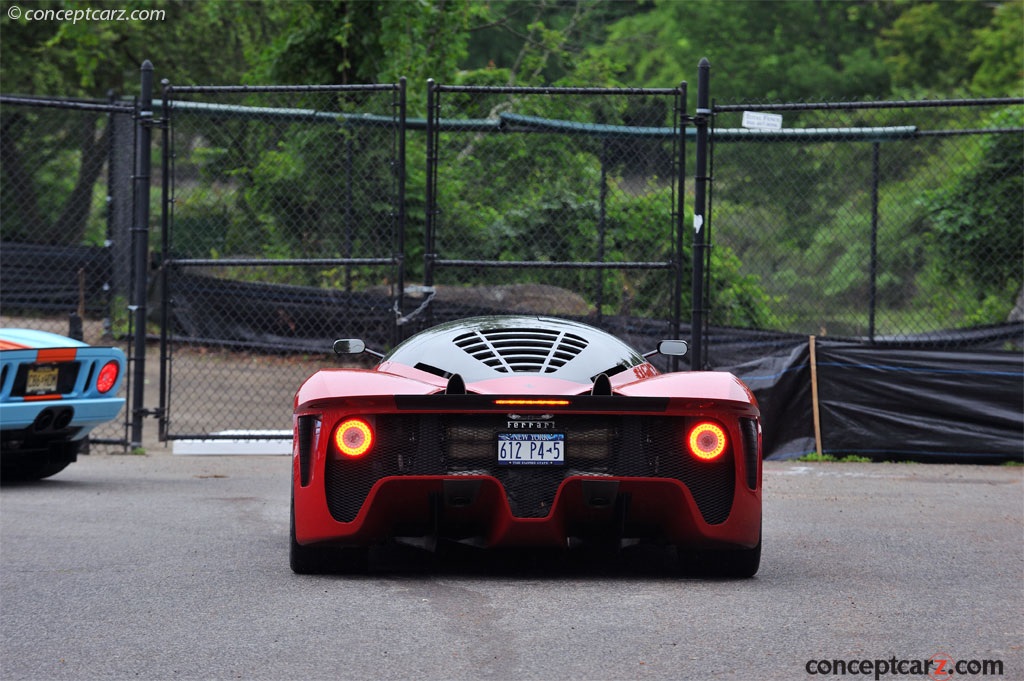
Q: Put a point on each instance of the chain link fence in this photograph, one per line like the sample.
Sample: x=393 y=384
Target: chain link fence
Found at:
x=281 y=232
x=884 y=222
x=292 y=216
x=65 y=213
x=556 y=201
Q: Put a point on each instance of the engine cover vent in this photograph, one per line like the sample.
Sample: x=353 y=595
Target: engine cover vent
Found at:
x=540 y=351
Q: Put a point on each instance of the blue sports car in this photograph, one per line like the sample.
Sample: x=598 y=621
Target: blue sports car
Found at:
x=53 y=392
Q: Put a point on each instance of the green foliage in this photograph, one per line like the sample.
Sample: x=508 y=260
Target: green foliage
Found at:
x=928 y=44
x=548 y=205
x=999 y=53
x=49 y=164
x=974 y=223
x=208 y=42
x=55 y=167
x=800 y=51
x=287 y=192
x=814 y=457
x=543 y=42
x=423 y=39
x=771 y=50
x=738 y=298
x=355 y=41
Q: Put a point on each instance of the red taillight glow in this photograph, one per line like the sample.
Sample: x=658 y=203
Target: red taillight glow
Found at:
x=532 y=403
x=707 y=441
x=107 y=377
x=353 y=437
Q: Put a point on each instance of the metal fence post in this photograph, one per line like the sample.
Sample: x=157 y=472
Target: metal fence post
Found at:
x=699 y=205
x=873 y=268
x=140 y=241
x=679 y=226
x=400 y=217
x=108 y=216
x=602 y=226
x=433 y=121
x=166 y=204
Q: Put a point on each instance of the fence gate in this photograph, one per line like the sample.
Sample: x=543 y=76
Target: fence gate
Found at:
x=562 y=201
x=282 y=230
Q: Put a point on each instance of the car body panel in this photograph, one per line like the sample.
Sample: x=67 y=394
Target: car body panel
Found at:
x=437 y=405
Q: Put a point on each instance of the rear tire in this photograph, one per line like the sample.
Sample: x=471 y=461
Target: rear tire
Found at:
x=30 y=466
x=723 y=564
x=321 y=560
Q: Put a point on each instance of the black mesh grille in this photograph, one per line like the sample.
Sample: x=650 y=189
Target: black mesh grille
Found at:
x=748 y=430
x=307 y=428
x=522 y=350
x=594 y=445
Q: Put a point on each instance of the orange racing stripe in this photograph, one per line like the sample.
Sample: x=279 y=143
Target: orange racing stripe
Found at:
x=53 y=355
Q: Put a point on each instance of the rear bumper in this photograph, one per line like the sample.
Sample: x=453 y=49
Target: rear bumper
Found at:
x=474 y=508
x=84 y=415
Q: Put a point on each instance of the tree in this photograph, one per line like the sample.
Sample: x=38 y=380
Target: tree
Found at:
x=975 y=220
x=765 y=50
x=929 y=46
x=541 y=42
x=187 y=42
x=346 y=42
x=999 y=53
x=206 y=43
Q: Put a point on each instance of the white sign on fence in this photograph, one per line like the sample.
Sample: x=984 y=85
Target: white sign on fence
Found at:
x=762 y=121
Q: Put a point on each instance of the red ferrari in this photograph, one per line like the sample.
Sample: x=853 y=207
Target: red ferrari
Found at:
x=523 y=431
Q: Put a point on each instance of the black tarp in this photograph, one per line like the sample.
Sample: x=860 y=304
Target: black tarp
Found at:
x=905 y=402
x=781 y=382
x=285 y=318
x=922 y=404
x=274 y=317
x=36 y=277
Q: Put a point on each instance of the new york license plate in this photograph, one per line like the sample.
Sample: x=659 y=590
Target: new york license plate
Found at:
x=531 y=449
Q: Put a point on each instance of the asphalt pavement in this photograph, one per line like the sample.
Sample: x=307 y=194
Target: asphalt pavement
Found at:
x=161 y=566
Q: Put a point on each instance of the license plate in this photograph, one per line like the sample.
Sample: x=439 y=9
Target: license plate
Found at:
x=41 y=380
x=531 y=449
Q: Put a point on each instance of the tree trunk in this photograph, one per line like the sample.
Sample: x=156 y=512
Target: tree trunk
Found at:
x=69 y=229
x=21 y=201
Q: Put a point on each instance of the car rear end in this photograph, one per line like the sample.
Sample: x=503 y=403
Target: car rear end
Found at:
x=515 y=470
x=53 y=392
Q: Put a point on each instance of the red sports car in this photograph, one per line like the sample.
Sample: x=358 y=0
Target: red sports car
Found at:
x=524 y=431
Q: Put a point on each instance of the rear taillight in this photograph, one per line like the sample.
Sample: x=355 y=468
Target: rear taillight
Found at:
x=706 y=441
x=353 y=437
x=107 y=377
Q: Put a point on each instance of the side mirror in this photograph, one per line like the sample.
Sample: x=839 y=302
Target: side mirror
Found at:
x=349 y=346
x=672 y=348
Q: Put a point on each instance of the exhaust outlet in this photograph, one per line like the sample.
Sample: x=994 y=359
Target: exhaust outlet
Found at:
x=43 y=421
x=63 y=418
x=53 y=419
